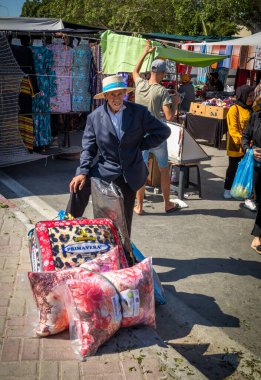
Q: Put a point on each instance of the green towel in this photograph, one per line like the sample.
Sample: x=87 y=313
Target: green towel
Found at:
x=121 y=53
x=188 y=57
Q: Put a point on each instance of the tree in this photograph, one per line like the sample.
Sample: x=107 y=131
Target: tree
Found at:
x=191 y=17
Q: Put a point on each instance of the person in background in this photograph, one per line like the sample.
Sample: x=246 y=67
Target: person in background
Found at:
x=252 y=137
x=187 y=93
x=151 y=94
x=213 y=83
x=115 y=135
x=237 y=119
x=257 y=101
x=258 y=90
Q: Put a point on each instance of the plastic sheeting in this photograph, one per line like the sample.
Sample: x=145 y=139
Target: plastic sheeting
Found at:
x=253 y=40
x=30 y=24
x=107 y=202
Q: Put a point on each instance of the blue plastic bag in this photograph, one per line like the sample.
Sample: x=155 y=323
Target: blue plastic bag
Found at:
x=243 y=181
x=158 y=289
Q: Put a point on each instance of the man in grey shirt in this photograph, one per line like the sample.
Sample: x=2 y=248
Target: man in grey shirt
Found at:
x=156 y=98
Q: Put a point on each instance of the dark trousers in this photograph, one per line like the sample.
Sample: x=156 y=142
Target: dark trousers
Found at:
x=257 y=181
x=257 y=184
x=231 y=171
x=78 y=201
x=257 y=226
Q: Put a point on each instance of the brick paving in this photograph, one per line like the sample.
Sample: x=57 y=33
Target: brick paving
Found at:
x=132 y=354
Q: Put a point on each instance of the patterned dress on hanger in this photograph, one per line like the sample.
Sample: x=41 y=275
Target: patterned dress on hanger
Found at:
x=62 y=54
x=81 y=97
x=43 y=62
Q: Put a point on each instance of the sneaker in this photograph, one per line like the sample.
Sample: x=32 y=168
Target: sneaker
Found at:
x=250 y=205
x=227 y=194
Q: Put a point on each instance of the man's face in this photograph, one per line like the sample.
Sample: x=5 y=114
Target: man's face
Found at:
x=115 y=99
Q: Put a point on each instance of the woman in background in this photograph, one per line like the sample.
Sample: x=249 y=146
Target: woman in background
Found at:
x=252 y=135
x=237 y=119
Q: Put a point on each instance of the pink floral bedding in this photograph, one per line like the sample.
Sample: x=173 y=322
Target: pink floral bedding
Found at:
x=53 y=316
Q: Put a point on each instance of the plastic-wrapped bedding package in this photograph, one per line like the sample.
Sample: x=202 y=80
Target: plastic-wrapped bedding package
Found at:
x=135 y=285
x=158 y=289
x=94 y=313
x=99 y=304
x=63 y=244
x=53 y=316
x=107 y=202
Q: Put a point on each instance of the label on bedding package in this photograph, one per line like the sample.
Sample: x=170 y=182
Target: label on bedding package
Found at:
x=130 y=302
x=116 y=308
x=86 y=247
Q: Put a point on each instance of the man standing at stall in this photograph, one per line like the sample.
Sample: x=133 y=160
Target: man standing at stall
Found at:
x=156 y=98
x=115 y=135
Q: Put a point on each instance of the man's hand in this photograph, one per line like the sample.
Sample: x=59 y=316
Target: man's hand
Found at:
x=257 y=154
x=77 y=182
x=148 y=48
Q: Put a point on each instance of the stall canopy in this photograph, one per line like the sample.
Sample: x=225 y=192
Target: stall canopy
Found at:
x=253 y=40
x=120 y=53
x=30 y=24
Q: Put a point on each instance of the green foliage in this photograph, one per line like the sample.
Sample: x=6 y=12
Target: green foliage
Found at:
x=189 y=17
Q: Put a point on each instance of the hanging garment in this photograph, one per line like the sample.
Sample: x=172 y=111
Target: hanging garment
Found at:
x=96 y=73
x=202 y=71
x=251 y=58
x=241 y=77
x=29 y=88
x=243 y=57
x=257 y=61
x=25 y=122
x=62 y=56
x=227 y=61
x=235 y=57
x=81 y=97
x=43 y=62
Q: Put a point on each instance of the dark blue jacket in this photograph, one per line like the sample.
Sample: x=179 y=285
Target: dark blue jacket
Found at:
x=141 y=131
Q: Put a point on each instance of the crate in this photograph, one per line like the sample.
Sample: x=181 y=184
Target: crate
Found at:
x=197 y=109
x=216 y=112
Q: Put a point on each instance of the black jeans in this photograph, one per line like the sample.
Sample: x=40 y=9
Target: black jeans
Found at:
x=231 y=171
x=257 y=226
x=257 y=184
x=78 y=201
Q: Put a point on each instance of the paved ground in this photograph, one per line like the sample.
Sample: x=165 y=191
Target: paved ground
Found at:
x=132 y=354
x=210 y=275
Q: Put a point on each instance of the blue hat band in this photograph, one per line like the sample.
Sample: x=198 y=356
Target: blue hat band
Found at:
x=113 y=85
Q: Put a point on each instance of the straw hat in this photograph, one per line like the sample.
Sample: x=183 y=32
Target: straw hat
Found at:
x=113 y=83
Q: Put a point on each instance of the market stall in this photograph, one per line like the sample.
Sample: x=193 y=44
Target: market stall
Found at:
x=206 y=128
x=58 y=64
x=207 y=123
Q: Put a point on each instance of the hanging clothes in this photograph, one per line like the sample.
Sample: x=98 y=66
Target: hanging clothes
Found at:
x=62 y=56
x=81 y=97
x=251 y=58
x=235 y=57
x=202 y=71
x=97 y=76
x=227 y=61
x=241 y=77
x=28 y=89
x=243 y=57
x=257 y=61
x=43 y=62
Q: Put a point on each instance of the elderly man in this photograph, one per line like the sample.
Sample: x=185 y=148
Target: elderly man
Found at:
x=156 y=98
x=116 y=133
